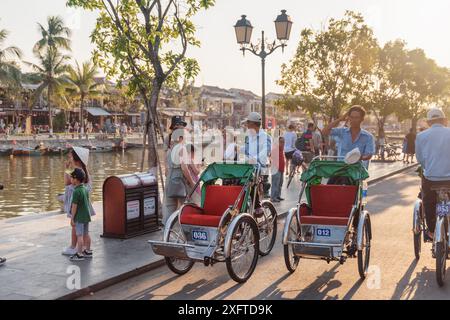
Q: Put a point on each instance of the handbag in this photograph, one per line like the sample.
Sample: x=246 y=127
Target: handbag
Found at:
x=176 y=187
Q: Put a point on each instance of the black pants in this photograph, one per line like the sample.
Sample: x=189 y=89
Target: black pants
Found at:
x=429 y=198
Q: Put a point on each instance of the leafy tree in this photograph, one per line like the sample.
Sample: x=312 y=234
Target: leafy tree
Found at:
x=332 y=65
x=50 y=73
x=384 y=91
x=9 y=70
x=54 y=35
x=81 y=81
x=425 y=84
x=145 y=42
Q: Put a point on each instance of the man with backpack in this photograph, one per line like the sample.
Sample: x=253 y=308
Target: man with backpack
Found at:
x=305 y=143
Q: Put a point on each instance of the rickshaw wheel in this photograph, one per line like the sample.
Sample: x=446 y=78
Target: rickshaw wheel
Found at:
x=417 y=244
x=244 y=249
x=178 y=266
x=267 y=226
x=290 y=258
x=441 y=262
x=364 y=254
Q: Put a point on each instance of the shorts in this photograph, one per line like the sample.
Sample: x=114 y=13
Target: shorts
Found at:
x=289 y=155
x=81 y=229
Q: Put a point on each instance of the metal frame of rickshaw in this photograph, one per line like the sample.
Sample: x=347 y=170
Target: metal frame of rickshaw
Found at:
x=208 y=255
x=345 y=239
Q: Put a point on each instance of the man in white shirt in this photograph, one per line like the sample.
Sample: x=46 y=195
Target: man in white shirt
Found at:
x=289 y=145
x=433 y=153
x=257 y=149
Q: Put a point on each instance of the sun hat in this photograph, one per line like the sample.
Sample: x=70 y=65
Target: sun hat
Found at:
x=353 y=156
x=177 y=121
x=254 y=117
x=435 y=114
x=83 y=154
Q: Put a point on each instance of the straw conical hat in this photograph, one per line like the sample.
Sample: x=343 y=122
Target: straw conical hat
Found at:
x=83 y=154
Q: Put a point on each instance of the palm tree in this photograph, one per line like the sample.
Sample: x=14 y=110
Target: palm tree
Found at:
x=9 y=70
x=50 y=73
x=55 y=35
x=81 y=81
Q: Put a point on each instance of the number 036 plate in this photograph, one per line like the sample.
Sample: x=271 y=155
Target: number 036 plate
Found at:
x=443 y=209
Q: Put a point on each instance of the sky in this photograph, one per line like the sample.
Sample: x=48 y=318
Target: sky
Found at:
x=422 y=24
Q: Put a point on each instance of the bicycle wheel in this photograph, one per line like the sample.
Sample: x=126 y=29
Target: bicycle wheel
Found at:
x=244 y=247
x=441 y=262
x=290 y=258
x=178 y=266
x=364 y=254
x=267 y=226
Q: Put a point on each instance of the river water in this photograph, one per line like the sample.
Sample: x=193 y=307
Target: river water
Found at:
x=33 y=183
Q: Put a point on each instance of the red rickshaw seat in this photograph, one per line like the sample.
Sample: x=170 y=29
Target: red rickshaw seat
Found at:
x=330 y=205
x=217 y=200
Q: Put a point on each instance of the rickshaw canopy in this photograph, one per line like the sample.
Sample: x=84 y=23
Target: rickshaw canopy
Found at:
x=227 y=171
x=319 y=169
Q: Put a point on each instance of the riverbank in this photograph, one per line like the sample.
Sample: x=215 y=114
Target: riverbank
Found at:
x=36 y=269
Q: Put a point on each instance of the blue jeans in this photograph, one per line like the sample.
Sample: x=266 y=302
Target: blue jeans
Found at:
x=277 y=183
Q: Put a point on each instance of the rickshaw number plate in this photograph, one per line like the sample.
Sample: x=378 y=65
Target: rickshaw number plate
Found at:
x=443 y=209
x=322 y=232
x=198 y=235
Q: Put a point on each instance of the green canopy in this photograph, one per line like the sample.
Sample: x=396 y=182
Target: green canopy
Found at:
x=215 y=171
x=327 y=169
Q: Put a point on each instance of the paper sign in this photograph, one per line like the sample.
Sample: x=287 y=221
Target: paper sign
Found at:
x=133 y=209
x=149 y=206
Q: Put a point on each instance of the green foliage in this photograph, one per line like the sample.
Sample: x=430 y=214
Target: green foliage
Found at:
x=332 y=65
x=59 y=122
x=135 y=40
x=10 y=74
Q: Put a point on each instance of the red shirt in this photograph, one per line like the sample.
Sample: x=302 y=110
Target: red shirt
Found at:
x=278 y=161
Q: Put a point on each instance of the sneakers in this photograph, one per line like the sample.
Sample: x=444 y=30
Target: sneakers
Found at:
x=281 y=199
x=275 y=200
x=87 y=254
x=77 y=257
x=2 y=261
x=69 y=251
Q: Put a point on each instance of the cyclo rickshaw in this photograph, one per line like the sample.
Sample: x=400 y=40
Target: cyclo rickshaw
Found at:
x=225 y=227
x=332 y=224
x=441 y=244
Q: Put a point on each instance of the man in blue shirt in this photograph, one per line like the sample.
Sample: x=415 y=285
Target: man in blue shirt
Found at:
x=353 y=136
x=433 y=153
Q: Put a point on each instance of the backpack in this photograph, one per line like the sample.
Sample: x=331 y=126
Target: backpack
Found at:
x=297 y=158
x=302 y=143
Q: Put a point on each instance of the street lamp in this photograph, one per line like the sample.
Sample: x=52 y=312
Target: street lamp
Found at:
x=243 y=30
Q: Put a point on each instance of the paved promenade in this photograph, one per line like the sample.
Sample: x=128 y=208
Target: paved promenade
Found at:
x=36 y=269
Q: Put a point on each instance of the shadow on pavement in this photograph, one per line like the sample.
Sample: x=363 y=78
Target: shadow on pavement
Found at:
x=193 y=291
x=422 y=287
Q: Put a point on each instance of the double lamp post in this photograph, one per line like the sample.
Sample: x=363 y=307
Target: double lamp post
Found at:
x=243 y=29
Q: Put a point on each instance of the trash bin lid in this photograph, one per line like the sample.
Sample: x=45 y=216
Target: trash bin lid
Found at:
x=147 y=179
x=130 y=181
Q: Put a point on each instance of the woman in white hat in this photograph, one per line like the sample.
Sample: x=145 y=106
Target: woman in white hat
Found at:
x=77 y=158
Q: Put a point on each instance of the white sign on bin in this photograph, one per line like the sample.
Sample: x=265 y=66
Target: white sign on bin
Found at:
x=133 y=209
x=149 y=206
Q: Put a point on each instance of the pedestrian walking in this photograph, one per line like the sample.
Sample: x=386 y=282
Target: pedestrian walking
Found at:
x=77 y=158
x=278 y=166
x=317 y=141
x=305 y=143
x=178 y=177
x=290 y=137
x=410 y=145
x=80 y=216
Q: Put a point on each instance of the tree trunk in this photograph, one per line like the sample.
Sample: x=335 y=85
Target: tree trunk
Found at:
x=381 y=132
x=81 y=114
x=49 y=106
x=151 y=122
x=414 y=122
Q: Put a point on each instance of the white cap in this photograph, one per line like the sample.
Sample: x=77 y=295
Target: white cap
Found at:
x=353 y=156
x=254 y=117
x=435 y=114
x=83 y=154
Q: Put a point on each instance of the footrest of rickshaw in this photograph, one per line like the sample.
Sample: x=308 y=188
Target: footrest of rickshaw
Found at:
x=316 y=250
x=168 y=249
